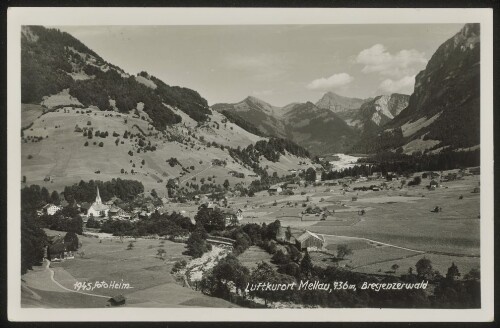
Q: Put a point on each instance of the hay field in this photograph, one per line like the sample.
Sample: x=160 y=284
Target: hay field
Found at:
x=61 y=153
x=399 y=217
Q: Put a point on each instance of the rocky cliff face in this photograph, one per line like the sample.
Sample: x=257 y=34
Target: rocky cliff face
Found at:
x=443 y=111
x=376 y=113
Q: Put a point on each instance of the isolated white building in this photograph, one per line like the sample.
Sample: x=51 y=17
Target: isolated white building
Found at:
x=51 y=209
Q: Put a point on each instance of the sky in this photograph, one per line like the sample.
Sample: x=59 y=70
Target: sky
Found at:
x=279 y=64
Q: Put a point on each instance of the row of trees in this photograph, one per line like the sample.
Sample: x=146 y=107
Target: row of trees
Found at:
x=86 y=191
x=449 y=292
x=407 y=164
x=33 y=241
x=34 y=197
x=171 y=225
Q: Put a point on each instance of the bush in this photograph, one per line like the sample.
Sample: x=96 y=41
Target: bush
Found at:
x=179 y=265
x=101 y=144
x=415 y=182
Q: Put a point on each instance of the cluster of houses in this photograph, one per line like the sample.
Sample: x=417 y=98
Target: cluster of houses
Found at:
x=100 y=210
x=277 y=189
x=232 y=216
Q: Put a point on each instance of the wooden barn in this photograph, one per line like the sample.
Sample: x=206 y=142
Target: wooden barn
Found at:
x=274 y=190
x=309 y=240
x=117 y=300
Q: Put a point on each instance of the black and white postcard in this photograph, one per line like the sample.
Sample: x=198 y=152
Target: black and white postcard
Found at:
x=250 y=164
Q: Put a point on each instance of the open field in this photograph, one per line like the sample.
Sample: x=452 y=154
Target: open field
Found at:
x=29 y=113
x=399 y=217
x=109 y=260
x=440 y=263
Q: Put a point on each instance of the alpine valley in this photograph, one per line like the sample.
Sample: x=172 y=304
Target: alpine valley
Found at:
x=129 y=182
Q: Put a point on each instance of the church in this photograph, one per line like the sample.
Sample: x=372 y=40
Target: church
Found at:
x=98 y=209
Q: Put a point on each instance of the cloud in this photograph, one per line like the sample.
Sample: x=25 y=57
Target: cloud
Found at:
x=378 y=60
x=403 y=85
x=332 y=82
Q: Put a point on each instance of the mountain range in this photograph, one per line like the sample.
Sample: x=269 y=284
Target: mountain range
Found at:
x=60 y=75
x=334 y=124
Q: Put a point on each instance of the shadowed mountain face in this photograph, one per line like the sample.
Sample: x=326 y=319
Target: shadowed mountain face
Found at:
x=443 y=111
x=316 y=129
x=54 y=61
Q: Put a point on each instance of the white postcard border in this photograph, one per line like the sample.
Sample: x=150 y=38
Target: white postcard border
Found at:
x=245 y=16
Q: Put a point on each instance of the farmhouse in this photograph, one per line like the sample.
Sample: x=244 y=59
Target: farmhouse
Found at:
x=51 y=209
x=59 y=251
x=98 y=209
x=310 y=241
x=433 y=184
x=232 y=217
x=115 y=212
x=274 y=190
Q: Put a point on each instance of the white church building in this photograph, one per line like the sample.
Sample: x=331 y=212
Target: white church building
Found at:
x=98 y=209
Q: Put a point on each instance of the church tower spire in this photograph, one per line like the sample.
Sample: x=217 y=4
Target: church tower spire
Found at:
x=98 y=197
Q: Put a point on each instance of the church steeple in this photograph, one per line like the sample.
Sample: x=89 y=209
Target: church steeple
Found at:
x=98 y=198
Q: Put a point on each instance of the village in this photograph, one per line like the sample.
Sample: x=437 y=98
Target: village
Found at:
x=352 y=222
